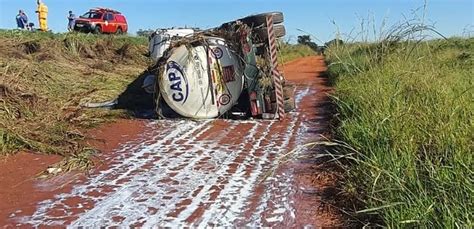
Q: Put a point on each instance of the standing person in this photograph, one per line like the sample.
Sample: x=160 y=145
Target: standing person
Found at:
x=42 y=12
x=71 y=21
x=21 y=20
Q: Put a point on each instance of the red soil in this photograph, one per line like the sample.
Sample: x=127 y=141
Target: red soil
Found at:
x=308 y=190
x=19 y=189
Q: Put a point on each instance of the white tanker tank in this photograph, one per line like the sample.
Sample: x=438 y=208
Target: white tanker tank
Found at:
x=202 y=81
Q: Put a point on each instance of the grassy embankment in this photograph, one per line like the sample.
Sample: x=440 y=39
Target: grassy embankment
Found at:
x=45 y=77
x=405 y=114
x=289 y=52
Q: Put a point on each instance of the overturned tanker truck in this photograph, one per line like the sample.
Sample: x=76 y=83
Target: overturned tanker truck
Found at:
x=229 y=71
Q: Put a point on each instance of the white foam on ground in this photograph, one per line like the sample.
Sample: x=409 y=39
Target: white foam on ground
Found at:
x=301 y=94
x=149 y=196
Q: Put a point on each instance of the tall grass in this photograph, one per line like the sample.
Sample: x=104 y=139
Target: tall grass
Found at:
x=405 y=111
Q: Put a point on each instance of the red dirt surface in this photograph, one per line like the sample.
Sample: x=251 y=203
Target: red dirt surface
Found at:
x=17 y=182
x=197 y=173
x=20 y=187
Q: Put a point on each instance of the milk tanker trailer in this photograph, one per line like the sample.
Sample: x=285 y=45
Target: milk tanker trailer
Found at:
x=221 y=72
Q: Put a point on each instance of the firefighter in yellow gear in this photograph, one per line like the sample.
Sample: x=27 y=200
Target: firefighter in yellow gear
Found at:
x=42 y=12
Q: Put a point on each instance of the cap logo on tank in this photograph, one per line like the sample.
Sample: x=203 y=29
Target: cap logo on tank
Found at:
x=178 y=82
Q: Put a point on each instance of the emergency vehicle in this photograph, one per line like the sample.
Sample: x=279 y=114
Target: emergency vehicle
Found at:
x=102 y=20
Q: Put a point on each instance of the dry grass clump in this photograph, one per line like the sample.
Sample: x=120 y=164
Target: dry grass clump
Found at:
x=45 y=77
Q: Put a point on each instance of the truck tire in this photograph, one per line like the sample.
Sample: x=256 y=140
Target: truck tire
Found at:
x=119 y=31
x=278 y=29
x=260 y=19
x=98 y=29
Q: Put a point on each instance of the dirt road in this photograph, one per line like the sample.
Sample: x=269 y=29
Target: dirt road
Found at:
x=199 y=173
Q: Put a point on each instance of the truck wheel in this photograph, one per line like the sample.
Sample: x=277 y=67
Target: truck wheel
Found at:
x=98 y=30
x=260 y=19
x=119 y=31
x=279 y=31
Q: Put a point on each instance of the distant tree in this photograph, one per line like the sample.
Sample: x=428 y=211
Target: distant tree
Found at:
x=145 y=33
x=306 y=40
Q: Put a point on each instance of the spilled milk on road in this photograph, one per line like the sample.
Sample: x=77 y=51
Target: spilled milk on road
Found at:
x=199 y=173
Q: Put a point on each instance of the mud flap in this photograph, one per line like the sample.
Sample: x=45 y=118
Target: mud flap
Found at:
x=255 y=106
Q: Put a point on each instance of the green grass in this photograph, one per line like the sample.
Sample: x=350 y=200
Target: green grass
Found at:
x=289 y=52
x=406 y=110
x=20 y=35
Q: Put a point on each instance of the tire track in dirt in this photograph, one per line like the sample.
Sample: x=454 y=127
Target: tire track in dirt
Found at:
x=194 y=173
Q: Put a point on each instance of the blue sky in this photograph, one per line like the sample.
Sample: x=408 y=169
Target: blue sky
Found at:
x=451 y=17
